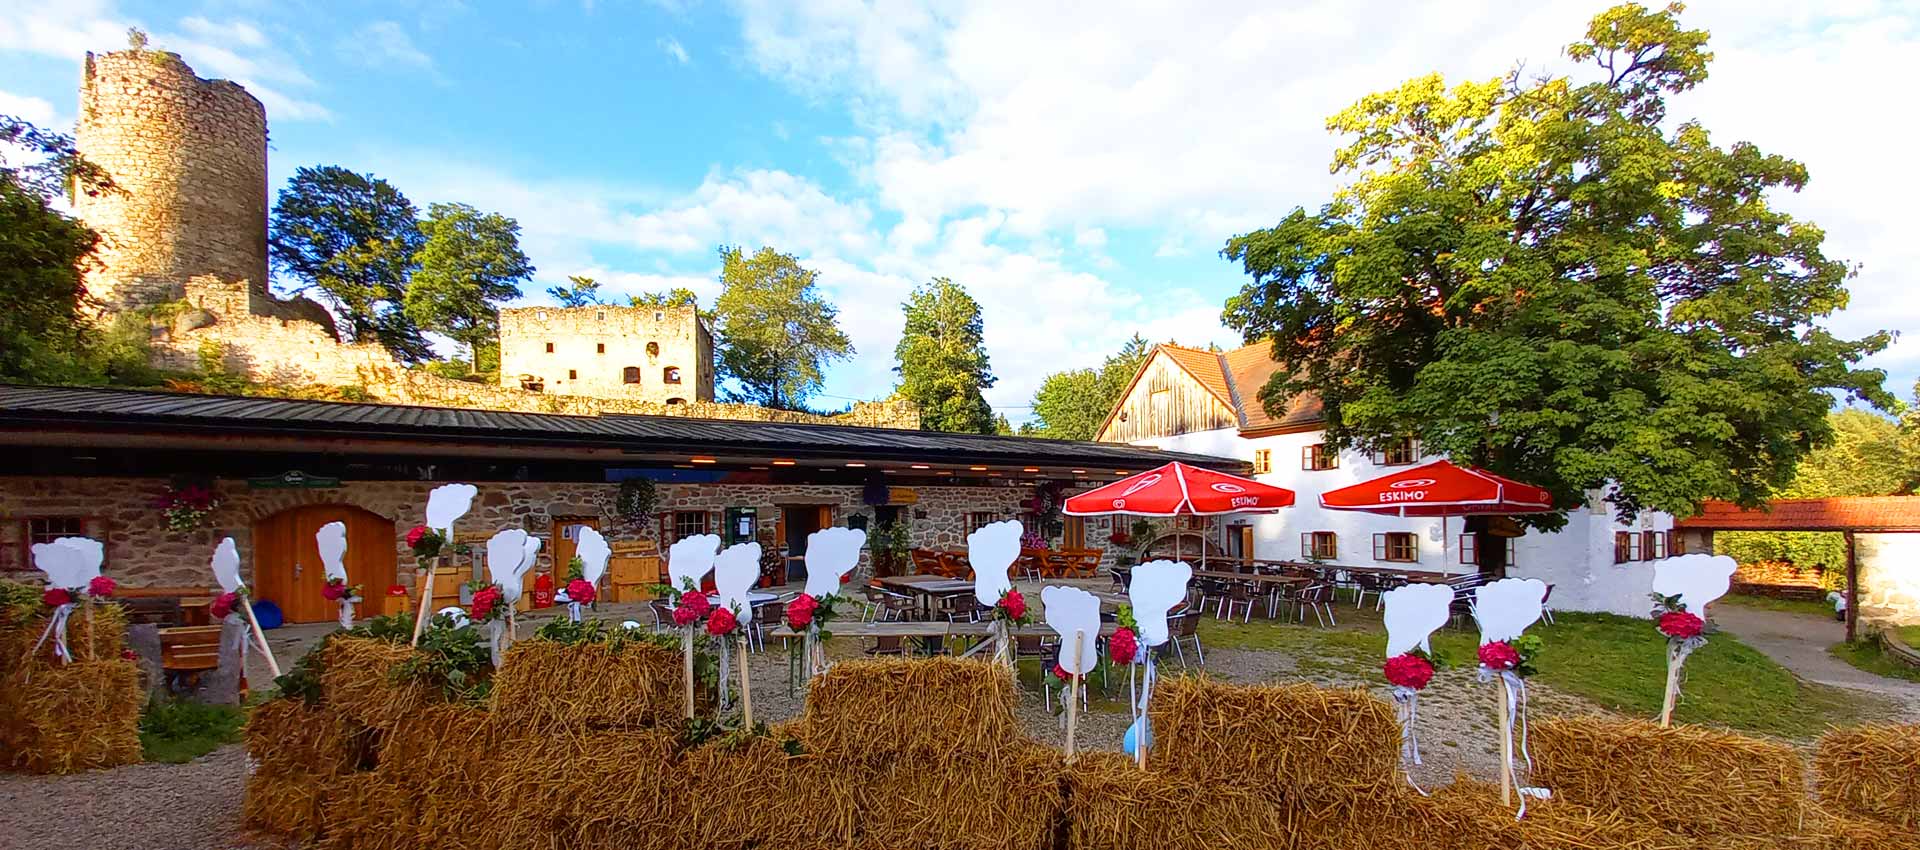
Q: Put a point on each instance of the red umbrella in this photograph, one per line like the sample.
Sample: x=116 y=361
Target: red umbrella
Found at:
x=1439 y=489
x=1180 y=490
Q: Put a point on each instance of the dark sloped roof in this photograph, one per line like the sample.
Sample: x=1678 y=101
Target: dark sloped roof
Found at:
x=180 y=413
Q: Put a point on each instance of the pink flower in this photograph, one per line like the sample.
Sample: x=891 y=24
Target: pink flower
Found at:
x=1499 y=655
x=1681 y=625
x=721 y=622
x=56 y=597
x=101 y=586
x=1412 y=671
x=580 y=590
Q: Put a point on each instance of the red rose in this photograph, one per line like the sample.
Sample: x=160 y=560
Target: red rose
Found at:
x=414 y=534
x=1123 y=646
x=129 y=655
x=223 y=605
x=1498 y=655
x=1015 y=604
x=684 y=615
x=1681 y=625
x=102 y=586
x=1061 y=673
x=1412 y=671
x=484 y=601
x=696 y=600
x=334 y=590
x=800 y=611
x=580 y=590
x=721 y=622
x=56 y=597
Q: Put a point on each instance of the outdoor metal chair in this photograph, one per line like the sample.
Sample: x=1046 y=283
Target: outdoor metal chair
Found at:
x=1187 y=628
x=1319 y=598
x=662 y=615
x=1240 y=596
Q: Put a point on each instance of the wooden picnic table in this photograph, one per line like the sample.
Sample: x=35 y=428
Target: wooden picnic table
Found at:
x=928 y=629
x=1256 y=578
x=926 y=588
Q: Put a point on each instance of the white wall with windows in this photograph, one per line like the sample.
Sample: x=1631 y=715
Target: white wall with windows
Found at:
x=1579 y=560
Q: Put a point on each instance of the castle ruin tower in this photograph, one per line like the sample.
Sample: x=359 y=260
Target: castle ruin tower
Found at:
x=188 y=158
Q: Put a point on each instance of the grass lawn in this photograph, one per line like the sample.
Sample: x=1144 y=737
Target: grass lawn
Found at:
x=1616 y=662
x=1868 y=655
x=1795 y=606
x=176 y=732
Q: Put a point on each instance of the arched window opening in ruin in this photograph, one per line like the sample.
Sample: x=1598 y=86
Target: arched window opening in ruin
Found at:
x=653 y=349
x=630 y=375
x=671 y=375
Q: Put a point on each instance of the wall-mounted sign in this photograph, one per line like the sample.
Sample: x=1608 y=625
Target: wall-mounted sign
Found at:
x=292 y=479
x=902 y=496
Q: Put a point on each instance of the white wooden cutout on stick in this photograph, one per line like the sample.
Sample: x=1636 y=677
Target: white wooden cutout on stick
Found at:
x=332 y=541
x=831 y=553
x=1072 y=612
x=1413 y=612
x=1697 y=579
x=1505 y=608
x=690 y=558
x=735 y=570
x=69 y=562
x=505 y=550
x=593 y=551
x=1157 y=586
x=226 y=565
x=447 y=503
x=991 y=549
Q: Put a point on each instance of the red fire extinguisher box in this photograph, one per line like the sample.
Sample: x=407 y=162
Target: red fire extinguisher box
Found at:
x=543 y=590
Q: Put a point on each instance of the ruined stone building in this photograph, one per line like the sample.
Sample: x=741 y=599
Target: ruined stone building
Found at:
x=183 y=238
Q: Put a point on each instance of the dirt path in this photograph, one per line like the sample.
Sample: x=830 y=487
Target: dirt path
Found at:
x=1799 y=643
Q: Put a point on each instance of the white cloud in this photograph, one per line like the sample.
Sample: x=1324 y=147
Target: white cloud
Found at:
x=32 y=110
x=672 y=47
x=384 y=44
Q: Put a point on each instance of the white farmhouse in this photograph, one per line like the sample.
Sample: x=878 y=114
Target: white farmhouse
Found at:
x=1207 y=402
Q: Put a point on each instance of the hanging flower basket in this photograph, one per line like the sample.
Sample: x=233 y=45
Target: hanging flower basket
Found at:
x=187 y=507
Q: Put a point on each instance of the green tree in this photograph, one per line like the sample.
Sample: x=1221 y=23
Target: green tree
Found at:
x=42 y=330
x=1002 y=427
x=678 y=296
x=352 y=238
x=1871 y=455
x=1547 y=278
x=470 y=263
x=775 y=333
x=579 y=292
x=942 y=359
x=1070 y=405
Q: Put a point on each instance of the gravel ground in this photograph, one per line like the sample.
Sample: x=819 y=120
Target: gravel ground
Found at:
x=193 y=806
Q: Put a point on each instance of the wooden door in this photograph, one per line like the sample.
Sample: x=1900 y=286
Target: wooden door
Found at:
x=566 y=542
x=286 y=559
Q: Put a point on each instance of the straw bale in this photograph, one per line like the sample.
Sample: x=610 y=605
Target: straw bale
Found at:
x=753 y=793
x=1871 y=772
x=356 y=678
x=368 y=811
x=287 y=736
x=1113 y=805
x=288 y=806
x=71 y=717
x=100 y=639
x=1010 y=800
x=1685 y=779
x=1296 y=740
x=884 y=709
x=1831 y=830
x=544 y=685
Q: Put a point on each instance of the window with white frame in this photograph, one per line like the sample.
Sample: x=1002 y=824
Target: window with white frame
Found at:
x=1396 y=546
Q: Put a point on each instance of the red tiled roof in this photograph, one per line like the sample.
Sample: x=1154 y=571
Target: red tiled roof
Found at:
x=1848 y=513
x=1250 y=367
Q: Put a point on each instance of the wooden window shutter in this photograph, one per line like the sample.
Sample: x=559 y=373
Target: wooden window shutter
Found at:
x=665 y=519
x=1379 y=547
x=1306 y=544
x=1469 y=549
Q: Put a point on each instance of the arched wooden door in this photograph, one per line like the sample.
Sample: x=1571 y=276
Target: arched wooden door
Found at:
x=286 y=559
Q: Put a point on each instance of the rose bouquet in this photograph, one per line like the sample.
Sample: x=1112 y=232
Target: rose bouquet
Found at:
x=1012 y=608
x=1685 y=632
x=487 y=603
x=425 y=542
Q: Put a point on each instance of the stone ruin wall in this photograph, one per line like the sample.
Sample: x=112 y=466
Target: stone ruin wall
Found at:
x=595 y=346
x=188 y=159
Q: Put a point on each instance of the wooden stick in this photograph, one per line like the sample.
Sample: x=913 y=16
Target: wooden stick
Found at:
x=90 y=639
x=686 y=656
x=1673 y=688
x=272 y=665
x=746 y=687
x=1073 y=693
x=1506 y=746
x=422 y=582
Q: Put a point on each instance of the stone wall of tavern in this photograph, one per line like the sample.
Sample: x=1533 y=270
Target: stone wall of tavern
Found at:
x=142 y=551
x=1889 y=565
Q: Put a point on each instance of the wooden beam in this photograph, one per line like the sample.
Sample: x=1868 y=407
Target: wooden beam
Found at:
x=1853 y=589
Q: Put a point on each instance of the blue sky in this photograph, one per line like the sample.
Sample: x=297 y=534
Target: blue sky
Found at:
x=1077 y=168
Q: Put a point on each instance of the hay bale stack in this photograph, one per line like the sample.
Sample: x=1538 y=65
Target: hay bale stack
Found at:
x=575 y=789
x=896 y=708
x=66 y=718
x=357 y=680
x=1012 y=801
x=284 y=805
x=287 y=736
x=753 y=793
x=545 y=685
x=1871 y=772
x=1114 y=805
x=1284 y=741
x=1684 y=779
x=100 y=637
x=368 y=811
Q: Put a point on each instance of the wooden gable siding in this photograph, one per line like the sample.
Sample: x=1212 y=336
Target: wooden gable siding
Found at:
x=1166 y=400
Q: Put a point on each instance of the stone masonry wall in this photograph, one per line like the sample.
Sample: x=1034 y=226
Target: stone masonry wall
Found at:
x=188 y=158
x=608 y=352
x=141 y=551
